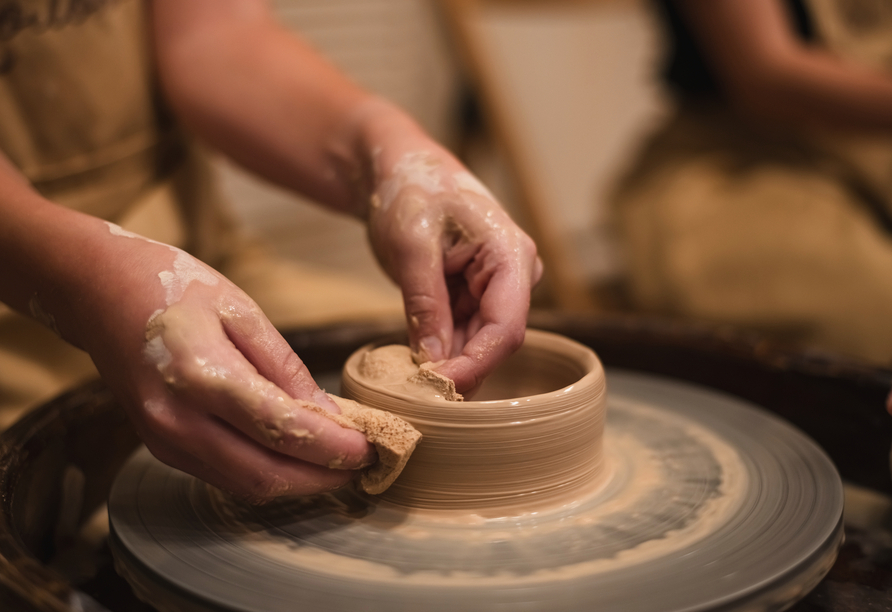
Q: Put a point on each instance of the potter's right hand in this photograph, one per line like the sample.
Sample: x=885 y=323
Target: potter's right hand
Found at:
x=210 y=385
x=465 y=268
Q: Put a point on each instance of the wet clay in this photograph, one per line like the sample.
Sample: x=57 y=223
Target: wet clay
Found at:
x=530 y=439
x=392 y=367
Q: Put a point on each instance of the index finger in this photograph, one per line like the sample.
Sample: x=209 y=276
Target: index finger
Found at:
x=502 y=319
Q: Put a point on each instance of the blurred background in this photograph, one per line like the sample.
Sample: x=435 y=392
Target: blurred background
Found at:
x=755 y=193
x=545 y=101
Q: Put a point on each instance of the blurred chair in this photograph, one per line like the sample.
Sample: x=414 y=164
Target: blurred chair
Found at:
x=566 y=88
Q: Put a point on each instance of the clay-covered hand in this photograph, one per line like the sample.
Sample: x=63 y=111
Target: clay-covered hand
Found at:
x=465 y=268
x=211 y=386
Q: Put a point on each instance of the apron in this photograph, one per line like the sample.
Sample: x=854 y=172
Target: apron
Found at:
x=81 y=121
x=81 y=117
x=789 y=235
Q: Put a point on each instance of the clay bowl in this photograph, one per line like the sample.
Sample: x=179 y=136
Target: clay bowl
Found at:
x=531 y=438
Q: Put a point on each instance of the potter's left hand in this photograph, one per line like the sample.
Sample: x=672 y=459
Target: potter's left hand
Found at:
x=465 y=269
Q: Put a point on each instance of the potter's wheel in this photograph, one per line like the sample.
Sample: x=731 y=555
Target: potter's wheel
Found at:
x=710 y=504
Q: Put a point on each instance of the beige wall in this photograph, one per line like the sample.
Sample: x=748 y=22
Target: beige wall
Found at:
x=580 y=80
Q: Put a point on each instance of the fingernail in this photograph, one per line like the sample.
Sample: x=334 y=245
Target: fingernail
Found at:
x=430 y=349
x=371 y=458
x=323 y=399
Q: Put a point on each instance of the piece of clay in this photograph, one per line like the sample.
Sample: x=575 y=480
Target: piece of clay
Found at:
x=442 y=385
x=392 y=437
x=392 y=366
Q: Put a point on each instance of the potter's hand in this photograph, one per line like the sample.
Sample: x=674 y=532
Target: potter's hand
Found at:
x=465 y=269
x=211 y=386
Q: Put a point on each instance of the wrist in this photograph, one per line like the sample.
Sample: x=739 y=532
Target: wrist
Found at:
x=70 y=271
x=45 y=248
x=381 y=133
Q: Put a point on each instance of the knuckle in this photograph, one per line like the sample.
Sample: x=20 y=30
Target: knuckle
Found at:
x=296 y=372
x=182 y=373
x=513 y=338
x=245 y=313
x=423 y=307
x=197 y=375
x=528 y=247
x=159 y=422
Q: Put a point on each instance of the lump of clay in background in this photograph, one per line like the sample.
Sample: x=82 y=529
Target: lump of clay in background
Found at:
x=392 y=366
x=392 y=437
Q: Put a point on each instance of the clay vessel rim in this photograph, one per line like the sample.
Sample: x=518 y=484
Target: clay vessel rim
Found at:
x=535 y=340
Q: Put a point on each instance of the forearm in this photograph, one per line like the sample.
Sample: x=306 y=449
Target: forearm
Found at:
x=814 y=89
x=37 y=240
x=768 y=72
x=54 y=262
x=266 y=99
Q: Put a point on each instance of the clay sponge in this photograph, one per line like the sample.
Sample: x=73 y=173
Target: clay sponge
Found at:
x=392 y=437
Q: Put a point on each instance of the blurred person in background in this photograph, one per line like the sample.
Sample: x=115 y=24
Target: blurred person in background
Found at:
x=766 y=200
x=114 y=239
